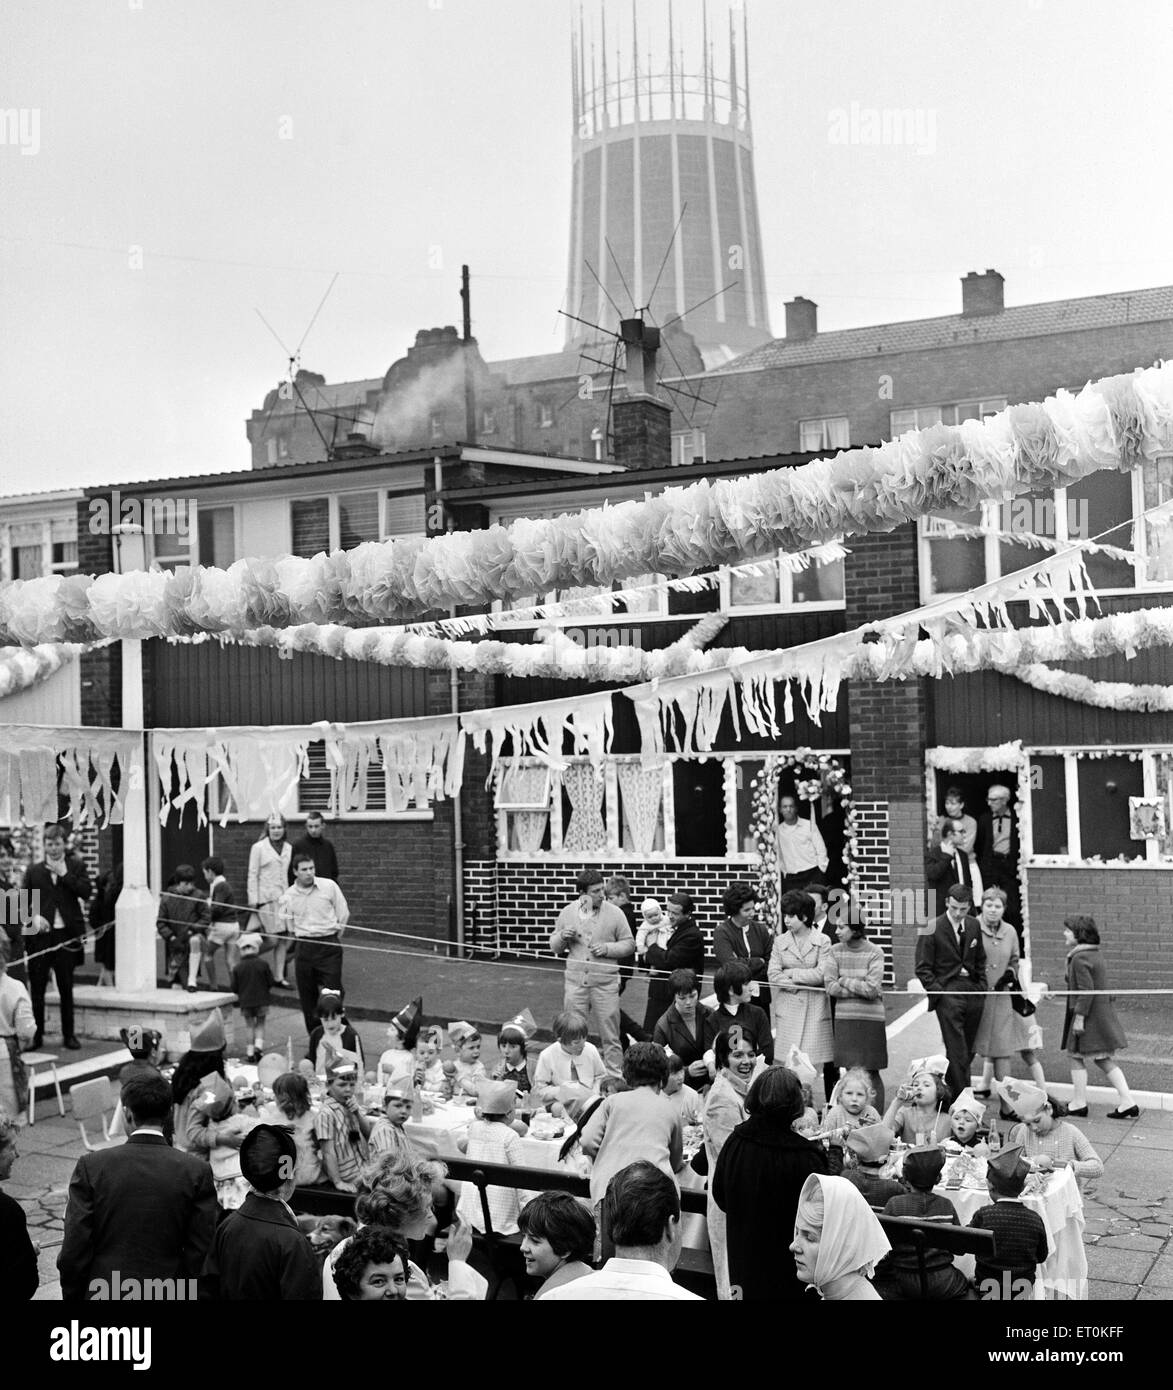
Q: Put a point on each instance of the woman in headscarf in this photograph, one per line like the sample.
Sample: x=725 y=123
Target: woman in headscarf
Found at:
x=758 y=1177
x=837 y=1240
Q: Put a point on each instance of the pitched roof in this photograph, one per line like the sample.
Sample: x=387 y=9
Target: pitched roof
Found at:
x=956 y=330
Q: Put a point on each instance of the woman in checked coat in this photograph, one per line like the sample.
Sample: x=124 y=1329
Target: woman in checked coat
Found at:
x=802 y=1016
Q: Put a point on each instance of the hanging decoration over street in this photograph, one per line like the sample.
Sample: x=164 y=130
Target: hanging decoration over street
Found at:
x=255 y=771
x=21 y=668
x=1113 y=423
x=86 y=765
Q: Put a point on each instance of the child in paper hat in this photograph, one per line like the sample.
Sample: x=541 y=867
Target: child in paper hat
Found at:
x=1019 y=1234
x=469 y=1069
x=343 y=1130
x=396 y=1062
x=333 y=1033
x=967 y=1116
x=918 y=1112
x=870 y=1147
x=922 y=1171
x=491 y=1140
x=224 y=1127
x=512 y=1038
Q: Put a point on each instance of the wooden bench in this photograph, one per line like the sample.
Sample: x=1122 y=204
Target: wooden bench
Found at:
x=927 y=1234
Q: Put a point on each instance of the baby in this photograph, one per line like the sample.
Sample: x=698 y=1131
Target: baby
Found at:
x=429 y=1069
x=653 y=931
x=967 y=1117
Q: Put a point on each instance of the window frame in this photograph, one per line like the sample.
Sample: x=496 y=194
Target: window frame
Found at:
x=823 y=421
x=176 y=561
x=381 y=493
x=1150 y=856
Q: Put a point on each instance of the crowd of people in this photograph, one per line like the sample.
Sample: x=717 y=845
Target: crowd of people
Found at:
x=779 y=1074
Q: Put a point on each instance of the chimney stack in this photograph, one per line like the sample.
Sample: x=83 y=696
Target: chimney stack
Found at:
x=640 y=421
x=802 y=320
x=981 y=294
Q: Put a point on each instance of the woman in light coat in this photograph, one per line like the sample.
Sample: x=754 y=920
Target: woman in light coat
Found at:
x=268 y=878
x=798 y=976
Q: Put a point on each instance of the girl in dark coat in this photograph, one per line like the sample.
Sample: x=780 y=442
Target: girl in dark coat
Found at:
x=684 y=950
x=759 y=1175
x=1091 y=1028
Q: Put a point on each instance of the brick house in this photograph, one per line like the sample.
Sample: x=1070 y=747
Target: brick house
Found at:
x=821 y=391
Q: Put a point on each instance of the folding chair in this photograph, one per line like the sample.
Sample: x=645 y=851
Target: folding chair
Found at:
x=48 y=1061
x=94 y=1100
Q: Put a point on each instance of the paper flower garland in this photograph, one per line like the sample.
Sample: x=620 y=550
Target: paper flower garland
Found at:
x=1113 y=423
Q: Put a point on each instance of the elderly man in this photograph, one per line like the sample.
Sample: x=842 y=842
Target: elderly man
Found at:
x=315 y=911
x=996 y=850
x=641 y=1212
x=595 y=937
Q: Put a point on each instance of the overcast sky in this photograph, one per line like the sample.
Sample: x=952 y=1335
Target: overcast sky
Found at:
x=166 y=170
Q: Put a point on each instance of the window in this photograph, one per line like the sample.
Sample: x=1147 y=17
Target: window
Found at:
x=778 y=586
x=217 y=536
x=277 y=447
x=1156 y=486
x=311 y=526
x=921 y=417
x=488 y=420
x=688 y=446
x=1100 y=506
x=404 y=514
x=436 y=424
x=27 y=561
x=545 y=415
x=831 y=432
x=63 y=542
x=384 y=797
x=169 y=550
x=358 y=518
x=1079 y=809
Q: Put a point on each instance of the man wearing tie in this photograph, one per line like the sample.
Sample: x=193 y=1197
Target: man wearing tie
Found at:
x=951 y=964
x=63 y=885
x=996 y=849
x=948 y=865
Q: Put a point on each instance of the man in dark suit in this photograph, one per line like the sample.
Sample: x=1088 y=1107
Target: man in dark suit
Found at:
x=259 y=1253
x=996 y=849
x=948 y=865
x=742 y=937
x=62 y=885
x=142 y=1211
x=951 y=964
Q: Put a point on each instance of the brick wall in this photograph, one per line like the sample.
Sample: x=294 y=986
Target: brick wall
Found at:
x=872 y=880
x=523 y=897
x=1131 y=909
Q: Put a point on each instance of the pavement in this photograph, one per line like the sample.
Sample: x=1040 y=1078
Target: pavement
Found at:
x=1129 y=1212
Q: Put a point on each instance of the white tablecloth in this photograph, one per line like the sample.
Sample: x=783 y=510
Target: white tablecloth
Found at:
x=1064 y=1275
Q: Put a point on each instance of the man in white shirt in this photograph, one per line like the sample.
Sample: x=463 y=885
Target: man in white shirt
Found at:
x=315 y=911
x=641 y=1213
x=595 y=937
x=802 y=855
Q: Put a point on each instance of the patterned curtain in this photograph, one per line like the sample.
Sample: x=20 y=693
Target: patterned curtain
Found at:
x=528 y=827
x=642 y=790
x=586 y=832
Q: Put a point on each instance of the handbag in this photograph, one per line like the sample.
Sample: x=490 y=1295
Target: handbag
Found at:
x=1018 y=1001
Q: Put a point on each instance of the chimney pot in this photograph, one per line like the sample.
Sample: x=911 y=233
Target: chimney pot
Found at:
x=802 y=320
x=981 y=294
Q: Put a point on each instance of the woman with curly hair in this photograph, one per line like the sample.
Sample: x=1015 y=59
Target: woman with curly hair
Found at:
x=399 y=1197
x=373 y=1267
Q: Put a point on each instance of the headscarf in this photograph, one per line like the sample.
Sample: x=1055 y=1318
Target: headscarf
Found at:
x=852 y=1239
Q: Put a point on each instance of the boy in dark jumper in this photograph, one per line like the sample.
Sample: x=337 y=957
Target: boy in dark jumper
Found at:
x=1019 y=1234
x=252 y=983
